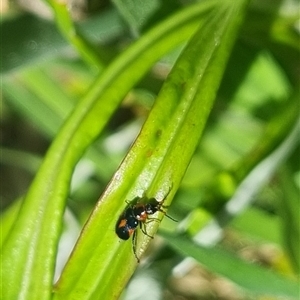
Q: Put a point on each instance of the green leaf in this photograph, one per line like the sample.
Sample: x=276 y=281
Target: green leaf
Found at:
x=26 y=103
x=257 y=280
x=289 y=210
x=266 y=226
x=70 y=31
x=35 y=95
x=30 y=249
x=156 y=162
x=7 y=219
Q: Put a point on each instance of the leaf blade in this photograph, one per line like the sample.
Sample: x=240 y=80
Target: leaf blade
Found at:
x=29 y=252
x=151 y=168
x=253 y=278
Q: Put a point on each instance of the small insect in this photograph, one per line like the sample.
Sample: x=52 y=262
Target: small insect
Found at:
x=136 y=215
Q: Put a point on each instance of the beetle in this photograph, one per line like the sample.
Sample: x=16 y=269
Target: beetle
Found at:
x=135 y=215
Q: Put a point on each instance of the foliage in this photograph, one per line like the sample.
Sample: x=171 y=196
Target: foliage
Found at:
x=221 y=138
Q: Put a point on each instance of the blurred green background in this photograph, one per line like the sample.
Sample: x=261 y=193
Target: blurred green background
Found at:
x=242 y=185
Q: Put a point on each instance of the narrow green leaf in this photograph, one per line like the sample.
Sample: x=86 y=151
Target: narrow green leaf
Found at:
x=70 y=31
x=273 y=135
x=289 y=210
x=25 y=103
x=266 y=226
x=7 y=219
x=156 y=162
x=30 y=250
x=257 y=280
x=44 y=87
